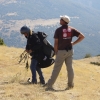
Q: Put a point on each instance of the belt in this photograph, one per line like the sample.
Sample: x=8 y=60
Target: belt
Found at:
x=68 y=48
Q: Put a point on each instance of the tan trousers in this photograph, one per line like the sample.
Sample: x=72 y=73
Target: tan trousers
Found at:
x=62 y=56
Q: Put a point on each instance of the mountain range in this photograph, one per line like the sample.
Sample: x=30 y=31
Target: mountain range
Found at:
x=44 y=16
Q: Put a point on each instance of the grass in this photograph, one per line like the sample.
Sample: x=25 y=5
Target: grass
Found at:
x=13 y=80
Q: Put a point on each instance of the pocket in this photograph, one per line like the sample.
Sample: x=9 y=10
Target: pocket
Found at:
x=72 y=51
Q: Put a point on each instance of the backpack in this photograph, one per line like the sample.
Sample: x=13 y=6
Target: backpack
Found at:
x=45 y=57
x=48 y=49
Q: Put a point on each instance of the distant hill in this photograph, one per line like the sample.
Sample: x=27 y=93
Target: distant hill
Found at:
x=44 y=16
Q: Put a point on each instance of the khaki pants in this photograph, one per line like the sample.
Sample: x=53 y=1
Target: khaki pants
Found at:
x=62 y=56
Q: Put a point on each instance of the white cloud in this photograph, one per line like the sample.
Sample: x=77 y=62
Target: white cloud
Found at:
x=11 y=1
x=1 y=1
x=91 y=34
x=33 y=23
x=11 y=14
x=15 y=25
x=4 y=2
x=75 y=17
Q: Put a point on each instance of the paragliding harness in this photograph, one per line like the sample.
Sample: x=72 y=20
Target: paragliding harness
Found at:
x=45 y=58
x=45 y=55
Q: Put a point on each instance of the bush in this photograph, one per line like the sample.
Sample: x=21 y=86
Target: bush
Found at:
x=95 y=63
x=2 y=42
x=98 y=55
x=87 y=55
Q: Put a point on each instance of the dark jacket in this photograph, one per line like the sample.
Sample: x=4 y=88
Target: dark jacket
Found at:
x=39 y=52
x=34 y=44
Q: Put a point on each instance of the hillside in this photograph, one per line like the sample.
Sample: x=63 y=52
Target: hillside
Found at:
x=13 y=80
x=44 y=16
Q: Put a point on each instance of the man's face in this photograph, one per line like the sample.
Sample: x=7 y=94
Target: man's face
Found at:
x=62 y=22
x=25 y=34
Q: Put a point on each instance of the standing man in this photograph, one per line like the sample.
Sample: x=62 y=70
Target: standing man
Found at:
x=63 y=47
x=33 y=47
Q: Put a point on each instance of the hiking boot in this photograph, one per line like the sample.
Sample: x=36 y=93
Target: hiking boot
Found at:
x=31 y=82
x=34 y=82
x=70 y=86
x=42 y=82
x=49 y=89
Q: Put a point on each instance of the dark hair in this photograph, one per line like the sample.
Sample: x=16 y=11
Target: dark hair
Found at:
x=64 y=21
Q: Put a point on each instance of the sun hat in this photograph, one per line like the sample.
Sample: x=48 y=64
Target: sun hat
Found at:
x=65 y=18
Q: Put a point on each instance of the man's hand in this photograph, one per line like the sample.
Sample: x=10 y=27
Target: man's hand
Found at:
x=29 y=51
x=80 y=38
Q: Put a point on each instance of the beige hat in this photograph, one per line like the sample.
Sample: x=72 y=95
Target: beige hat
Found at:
x=65 y=18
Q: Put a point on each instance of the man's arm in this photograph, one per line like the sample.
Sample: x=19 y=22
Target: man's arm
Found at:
x=80 y=38
x=56 y=45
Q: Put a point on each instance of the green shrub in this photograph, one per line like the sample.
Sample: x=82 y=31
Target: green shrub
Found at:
x=95 y=63
x=87 y=56
x=1 y=42
x=98 y=55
